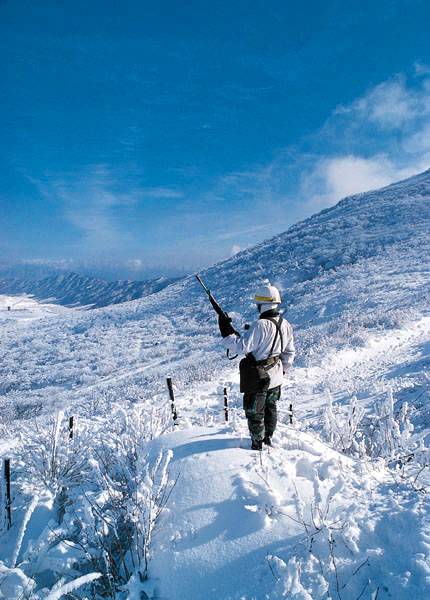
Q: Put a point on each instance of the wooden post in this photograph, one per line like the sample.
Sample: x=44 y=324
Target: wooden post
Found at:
x=225 y=404
x=8 y=494
x=172 y=400
x=71 y=426
x=291 y=414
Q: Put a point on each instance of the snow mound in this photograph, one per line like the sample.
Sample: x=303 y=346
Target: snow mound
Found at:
x=299 y=520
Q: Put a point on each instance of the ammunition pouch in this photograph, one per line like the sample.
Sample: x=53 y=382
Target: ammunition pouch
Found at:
x=254 y=375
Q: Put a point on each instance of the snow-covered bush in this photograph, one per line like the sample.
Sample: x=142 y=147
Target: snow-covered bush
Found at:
x=53 y=460
x=326 y=562
x=109 y=494
x=14 y=583
x=114 y=526
x=343 y=432
x=132 y=490
x=392 y=432
x=384 y=434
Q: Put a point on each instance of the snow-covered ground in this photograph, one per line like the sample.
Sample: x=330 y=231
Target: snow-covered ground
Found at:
x=23 y=309
x=298 y=521
x=337 y=509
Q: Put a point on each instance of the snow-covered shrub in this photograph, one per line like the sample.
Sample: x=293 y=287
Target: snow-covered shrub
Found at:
x=326 y=562
x=20 y=537
x=343 y=431
x=14 y=583
x=110 y=516
x=131 y=426
x=115 y=525
x=52 y=459
x=136 y=487
x=62 y=589
x=391 y=432
x=109 y=494
x=384 y=434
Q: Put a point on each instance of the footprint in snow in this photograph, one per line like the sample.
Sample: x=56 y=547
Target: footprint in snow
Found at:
x=304 y=468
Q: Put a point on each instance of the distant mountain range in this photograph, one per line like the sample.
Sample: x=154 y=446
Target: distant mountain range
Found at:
x=73 y=289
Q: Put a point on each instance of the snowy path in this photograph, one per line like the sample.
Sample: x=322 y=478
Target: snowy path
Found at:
x=221 y=524
x=239 y=523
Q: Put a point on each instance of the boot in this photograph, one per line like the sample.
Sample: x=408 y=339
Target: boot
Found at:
x=267 y=440
x=256 y=445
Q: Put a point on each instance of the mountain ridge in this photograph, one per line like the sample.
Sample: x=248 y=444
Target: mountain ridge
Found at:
x=74 y=289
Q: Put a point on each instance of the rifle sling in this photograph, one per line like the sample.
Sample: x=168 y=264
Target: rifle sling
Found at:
x=270 y=361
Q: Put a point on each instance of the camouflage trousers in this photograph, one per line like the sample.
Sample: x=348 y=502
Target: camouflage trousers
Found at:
x=261 y=412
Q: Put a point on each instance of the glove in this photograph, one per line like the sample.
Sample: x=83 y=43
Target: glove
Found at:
x=225 y=326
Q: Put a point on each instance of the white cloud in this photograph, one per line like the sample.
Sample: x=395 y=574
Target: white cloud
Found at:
x=89 y=203
x=226 y=235
x=161 y=192
x=234 y=249
x=379 y=138
x=421 y=68
x=337 y=177
x=135 y=264
x=387 y=136
x=92 y=201
x=391 y=104
x=418 y=142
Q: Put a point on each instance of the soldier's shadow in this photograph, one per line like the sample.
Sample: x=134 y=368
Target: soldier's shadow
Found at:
x=242 y=514
x=204 y=446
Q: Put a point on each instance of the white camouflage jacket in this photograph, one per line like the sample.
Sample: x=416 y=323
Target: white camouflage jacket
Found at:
x=259 y=339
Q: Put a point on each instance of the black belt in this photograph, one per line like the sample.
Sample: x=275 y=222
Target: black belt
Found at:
x=269 y=362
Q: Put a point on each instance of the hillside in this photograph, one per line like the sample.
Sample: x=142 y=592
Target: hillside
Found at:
x=338 y=509
x=73 y=289
x=360 y=267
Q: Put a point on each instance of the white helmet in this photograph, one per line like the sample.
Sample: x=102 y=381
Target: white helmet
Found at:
x=268 y=295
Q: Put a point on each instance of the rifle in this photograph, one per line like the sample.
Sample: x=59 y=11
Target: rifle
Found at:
x=217 y=308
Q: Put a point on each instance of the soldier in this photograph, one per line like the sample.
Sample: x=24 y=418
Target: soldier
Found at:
x=269 y=351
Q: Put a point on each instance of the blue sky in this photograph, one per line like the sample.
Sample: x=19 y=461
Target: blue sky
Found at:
x=164 y=136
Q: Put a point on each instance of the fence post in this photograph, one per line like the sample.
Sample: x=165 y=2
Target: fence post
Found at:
x=71 y=427
x=291 y=414
x=172 y=400
x=225 y=404
x=8 y=505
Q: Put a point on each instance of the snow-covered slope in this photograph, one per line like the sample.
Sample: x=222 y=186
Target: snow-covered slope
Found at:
x=22 y=309
x=357 y=269
x=73 y=289
x=305 y=520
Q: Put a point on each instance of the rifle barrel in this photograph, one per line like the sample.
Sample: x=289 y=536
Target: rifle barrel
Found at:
x=217 y=308
x=197 y=276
